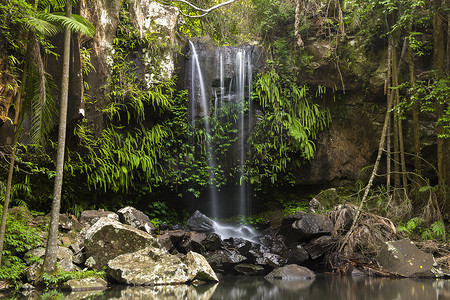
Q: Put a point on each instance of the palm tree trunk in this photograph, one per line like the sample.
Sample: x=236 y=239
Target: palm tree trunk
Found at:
x=52 y=241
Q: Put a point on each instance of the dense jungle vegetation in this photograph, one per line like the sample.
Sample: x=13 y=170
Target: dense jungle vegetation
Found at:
x=144 y=156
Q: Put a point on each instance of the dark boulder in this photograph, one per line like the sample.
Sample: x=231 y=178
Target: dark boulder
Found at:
x=296 y=254
x=272 y=260
x=404 y=258
x=212 y=242
x=201 y=223
x=303 y=227
x=319 y=246
x=176 y=236
x=224 y=260
x=192 y=241
x=249 y=269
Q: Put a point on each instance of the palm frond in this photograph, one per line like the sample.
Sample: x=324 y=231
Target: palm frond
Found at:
x=76 y=23
x=41 y=26
x=39 y=98
x=43 y=113
x=55 y=4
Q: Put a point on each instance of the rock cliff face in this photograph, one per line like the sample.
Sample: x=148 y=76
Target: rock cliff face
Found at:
x=351 y=142
x=149 y=18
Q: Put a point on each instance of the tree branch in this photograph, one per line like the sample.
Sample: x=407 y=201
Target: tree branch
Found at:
x=204 y=11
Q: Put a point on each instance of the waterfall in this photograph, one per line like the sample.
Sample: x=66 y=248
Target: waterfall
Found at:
x=197 y=81
x=224 y=94
x=240 y=101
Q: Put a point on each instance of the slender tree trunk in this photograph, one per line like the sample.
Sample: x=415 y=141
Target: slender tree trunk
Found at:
x=52 y=241
x=398 y=122
x=11 y=164
x=415 y=111
x=395 y=120
x=388 y=130
x=438 y=65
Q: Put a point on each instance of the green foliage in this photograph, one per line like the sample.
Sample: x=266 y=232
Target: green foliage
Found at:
x=291 y=122
x=159 y=213
x=438 y=92
x=290 y=207
x=415 y=226
x=411 y=226
x=61 y=276
x=20 y=237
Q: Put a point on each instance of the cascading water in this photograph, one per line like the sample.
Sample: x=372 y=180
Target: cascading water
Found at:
x=225 y=95
x=197 y=81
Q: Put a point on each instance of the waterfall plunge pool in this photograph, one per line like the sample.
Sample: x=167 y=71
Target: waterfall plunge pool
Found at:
x=324 y=287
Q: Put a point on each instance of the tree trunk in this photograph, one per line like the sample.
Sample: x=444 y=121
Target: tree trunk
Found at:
x=388 y=130
x=415 y=111
x=438 y=65
x=52 y=241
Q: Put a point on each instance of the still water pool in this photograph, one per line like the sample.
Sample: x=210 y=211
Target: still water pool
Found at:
x=324 y=287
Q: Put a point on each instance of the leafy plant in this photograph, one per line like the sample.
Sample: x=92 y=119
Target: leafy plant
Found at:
x=291 y=122
x=61 y=276
x=159 y=213
x=20 y=238
x=436 y=231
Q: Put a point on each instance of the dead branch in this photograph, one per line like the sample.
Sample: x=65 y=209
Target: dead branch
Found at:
x=199 y=9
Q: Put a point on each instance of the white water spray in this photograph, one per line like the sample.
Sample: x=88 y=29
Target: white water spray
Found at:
x=197 y=80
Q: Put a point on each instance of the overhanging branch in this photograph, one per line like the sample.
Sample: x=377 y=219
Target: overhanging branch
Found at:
x=199 y=9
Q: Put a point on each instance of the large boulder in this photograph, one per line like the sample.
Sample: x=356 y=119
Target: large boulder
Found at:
x=85 y=284
x=90 y=217
x=201 y=223
x=198 y=267
x=291 y=272
x=108 y=238
x=148 y=266
x=136 y=218
x=303 y=227
x=154 y=266
x=404 y=258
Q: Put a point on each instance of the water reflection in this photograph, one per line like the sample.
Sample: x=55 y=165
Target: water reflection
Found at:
x=257 y=288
